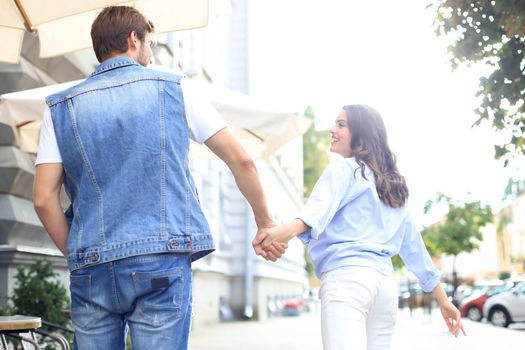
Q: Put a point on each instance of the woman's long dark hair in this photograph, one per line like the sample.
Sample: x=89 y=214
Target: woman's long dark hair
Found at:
x=369 y=146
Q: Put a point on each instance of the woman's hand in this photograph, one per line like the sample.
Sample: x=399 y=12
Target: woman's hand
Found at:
x=272 y=252
x=450 y=313
x=452 y=317
x=271 y=241
x=277 y=234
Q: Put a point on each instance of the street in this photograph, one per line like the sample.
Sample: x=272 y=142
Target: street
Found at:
x=304 y=333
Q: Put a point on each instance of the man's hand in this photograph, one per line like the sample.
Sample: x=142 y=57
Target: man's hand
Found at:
x=271 y=241
x=277 y=234
x=273 y=251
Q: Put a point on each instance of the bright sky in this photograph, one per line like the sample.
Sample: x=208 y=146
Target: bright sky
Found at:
x=383 y=53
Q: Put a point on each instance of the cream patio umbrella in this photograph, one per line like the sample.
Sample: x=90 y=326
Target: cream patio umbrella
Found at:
x=64 y=25
x=260 y=127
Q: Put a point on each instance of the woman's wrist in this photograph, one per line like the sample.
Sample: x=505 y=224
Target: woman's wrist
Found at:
x=440 y=295
x=296 y=227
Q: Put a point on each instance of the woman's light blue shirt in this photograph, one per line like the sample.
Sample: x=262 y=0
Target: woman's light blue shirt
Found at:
x=350 y=226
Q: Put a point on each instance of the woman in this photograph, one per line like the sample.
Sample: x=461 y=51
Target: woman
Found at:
x=354 y=222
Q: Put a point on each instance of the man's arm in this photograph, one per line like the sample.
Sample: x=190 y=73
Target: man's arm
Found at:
x=226 y=146
x=46 y=193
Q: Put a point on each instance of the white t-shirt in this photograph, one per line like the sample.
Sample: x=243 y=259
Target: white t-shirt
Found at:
x=203 y=120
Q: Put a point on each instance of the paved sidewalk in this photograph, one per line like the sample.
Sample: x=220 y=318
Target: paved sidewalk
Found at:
x=279 y=333
x=304 y=333
x=431 y=333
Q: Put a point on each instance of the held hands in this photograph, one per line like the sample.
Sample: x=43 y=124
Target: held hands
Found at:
x=271 y=242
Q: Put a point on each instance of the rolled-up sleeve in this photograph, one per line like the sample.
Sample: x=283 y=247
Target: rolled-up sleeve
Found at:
x=326 y=198
x=416 y=258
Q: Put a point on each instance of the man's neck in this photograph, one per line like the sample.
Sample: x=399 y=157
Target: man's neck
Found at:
x=123 y=54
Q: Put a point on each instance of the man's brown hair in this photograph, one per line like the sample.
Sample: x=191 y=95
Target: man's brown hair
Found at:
x=111 y=28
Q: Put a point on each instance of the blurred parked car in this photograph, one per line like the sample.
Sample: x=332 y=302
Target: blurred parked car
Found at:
x=472 y=306
x=311 y=299
x=465 y=291
x=293 y=307
x=506 y=308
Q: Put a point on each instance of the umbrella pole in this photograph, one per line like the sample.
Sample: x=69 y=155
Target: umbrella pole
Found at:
x=27 y=22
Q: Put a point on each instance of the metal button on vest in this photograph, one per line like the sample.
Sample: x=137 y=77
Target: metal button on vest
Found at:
x=93 y=257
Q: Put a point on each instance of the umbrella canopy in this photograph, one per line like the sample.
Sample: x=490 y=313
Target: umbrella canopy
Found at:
x=261 y=129
x=64 y=25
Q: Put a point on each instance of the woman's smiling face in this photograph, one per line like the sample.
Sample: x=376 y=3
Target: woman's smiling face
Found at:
x=341 y=136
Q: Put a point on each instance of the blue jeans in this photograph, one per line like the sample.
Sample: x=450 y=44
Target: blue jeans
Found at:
x=149 y=294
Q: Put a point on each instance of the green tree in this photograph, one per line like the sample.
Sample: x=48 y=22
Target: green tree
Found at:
x=430 y=239
x=315 y=159
x=491 y=32
x=38 y=293
x=397 y=262
x=5 y=311
x=315 y=156
x=459 y=231
x=428 y=234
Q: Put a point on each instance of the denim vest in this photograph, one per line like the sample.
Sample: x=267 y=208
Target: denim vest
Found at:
x=124 y=141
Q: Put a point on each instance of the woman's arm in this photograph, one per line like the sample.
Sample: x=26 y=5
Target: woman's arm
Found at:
x=449 y=312
x=280 y=234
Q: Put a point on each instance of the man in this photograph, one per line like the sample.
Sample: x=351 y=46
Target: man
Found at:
x=119 y=142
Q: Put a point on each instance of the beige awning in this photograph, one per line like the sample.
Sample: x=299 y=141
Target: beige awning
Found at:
x=261 y=128
x=64 y=25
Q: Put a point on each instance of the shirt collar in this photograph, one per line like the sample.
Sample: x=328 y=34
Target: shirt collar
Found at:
x=112 y=63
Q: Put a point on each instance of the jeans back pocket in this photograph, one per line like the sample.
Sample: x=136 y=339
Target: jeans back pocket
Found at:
x=160 y=294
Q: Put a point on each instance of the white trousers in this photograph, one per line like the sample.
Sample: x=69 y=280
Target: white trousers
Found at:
x=359 y=308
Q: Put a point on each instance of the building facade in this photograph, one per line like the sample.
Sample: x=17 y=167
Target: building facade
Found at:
x=233 y=281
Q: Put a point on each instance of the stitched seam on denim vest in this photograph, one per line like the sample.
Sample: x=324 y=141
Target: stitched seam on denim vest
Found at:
x=80 y=232
x=121 y=62
x=89 y=170
x=187 y=171
x=162 y=161
x=52 y=102
x=196 y=252
x=187 y=209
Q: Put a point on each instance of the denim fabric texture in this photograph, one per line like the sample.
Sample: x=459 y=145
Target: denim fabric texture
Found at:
x=124 y=142
x=150 y=295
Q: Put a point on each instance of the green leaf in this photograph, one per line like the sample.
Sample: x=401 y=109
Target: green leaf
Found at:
x=491 y=32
